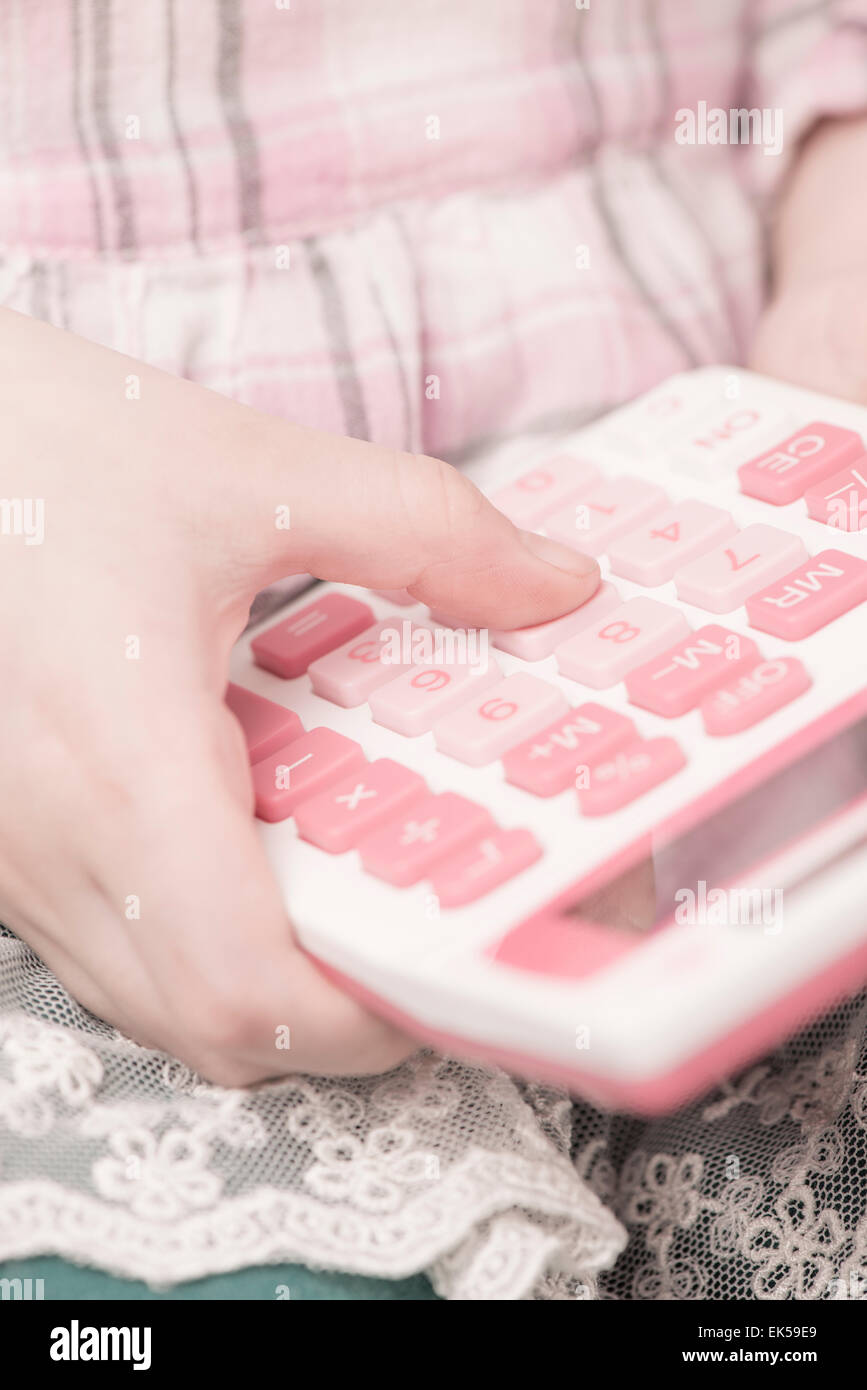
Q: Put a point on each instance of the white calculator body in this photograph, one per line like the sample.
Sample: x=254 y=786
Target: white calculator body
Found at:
x=631 y=856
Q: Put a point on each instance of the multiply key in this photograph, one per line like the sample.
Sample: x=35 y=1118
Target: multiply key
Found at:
x=339 y=818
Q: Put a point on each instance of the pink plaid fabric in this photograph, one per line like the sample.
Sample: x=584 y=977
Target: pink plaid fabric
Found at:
x=370 y=216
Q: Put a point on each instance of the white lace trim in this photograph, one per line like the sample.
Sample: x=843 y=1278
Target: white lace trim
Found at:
x=571 y=1231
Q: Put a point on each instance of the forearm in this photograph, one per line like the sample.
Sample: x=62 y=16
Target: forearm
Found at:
x=821 y=227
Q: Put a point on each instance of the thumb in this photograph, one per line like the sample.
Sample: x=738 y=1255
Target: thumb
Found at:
x=361 y=514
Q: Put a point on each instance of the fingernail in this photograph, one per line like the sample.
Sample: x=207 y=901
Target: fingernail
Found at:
x=562 y=557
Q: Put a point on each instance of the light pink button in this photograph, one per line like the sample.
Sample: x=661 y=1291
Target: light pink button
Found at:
x=301 y=769
x=535 y=643
x=289 y=646
x=784 y=473
x=598 y=517
x=540 y=490
x=398 y=596
x=633 y=771
x=625 y=638
x=340 y=817
x=678 y=680
x=348 y=675
x=716 y=442
x=476 y=870
x=652 y=554
x=725 y=577
x=825 y=587
x=841 y=500
x=402 y=851
x=752 y=696
x=550 y=761
x=266 y=726
x=481 y=730
x=412 y=703
x=563 y=947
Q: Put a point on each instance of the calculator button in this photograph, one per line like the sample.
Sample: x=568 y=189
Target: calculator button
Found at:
x=289 y=646
x=715 y=445
x=265 y=725
x=535 y=643
x=724 y=578
x=548 y=762
x=403 y=851
x=340 y=817
x=595 y=519
x=476 y=870
x=539 y=491
x=301 y=769
x=753 y=695
x=678 y=680
x=413 y=702
x=841 y=500
x=348 y=675
x=563 y=947
x=664 y=412
x=398 y=596
x=824 y=588
x=651 y=555
x=481 y=730
x=784 y=473
x=625 y=638
x=632 y=771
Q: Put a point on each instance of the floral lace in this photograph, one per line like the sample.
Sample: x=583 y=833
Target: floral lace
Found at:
x=114 y=1155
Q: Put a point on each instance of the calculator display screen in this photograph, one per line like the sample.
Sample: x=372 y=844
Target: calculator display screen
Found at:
x=725 y=846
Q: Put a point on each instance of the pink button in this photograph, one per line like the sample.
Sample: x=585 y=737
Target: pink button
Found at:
x=679 y=679
x=825 y=587
x=539 y=491
x=754 y=695
x=266 y=726
x=412 y=703
x=625 y=638
x=340 y=817
x=550 y=761
x=563 y=947
x=598 y=517
x=841 y=500
x=674 y=537
x=784 y=473
x=434 y=826
x=348 y=675
x=629 y=774
x=398 y=596
x=724 y=578
x=535 y=643
x=301 y=769
x=289 y=646
x=481 y=730
x=472 y=872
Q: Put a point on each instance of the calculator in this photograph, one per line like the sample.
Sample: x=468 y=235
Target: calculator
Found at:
x=623 y=850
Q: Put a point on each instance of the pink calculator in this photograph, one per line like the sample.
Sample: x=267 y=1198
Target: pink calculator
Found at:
x=626 y=849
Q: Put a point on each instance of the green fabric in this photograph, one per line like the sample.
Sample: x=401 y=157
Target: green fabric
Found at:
x=64 y=1280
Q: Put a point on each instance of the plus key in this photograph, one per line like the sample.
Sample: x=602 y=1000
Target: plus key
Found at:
x=402 y=851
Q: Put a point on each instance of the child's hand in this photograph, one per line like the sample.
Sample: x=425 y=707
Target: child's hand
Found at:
x=815 y=334
x=123 y=777
x=814 y=331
